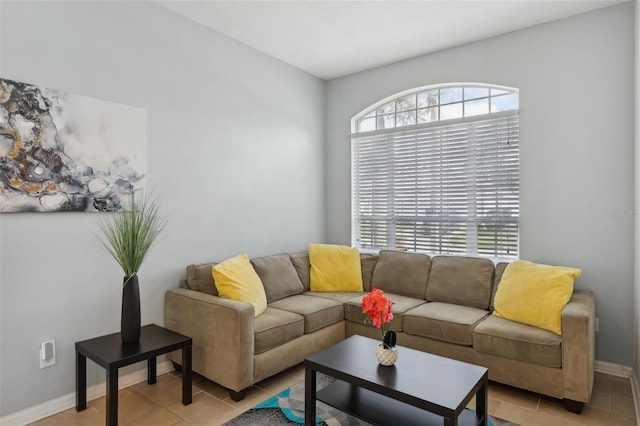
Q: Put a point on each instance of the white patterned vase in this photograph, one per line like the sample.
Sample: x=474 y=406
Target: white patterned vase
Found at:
x=385 y=356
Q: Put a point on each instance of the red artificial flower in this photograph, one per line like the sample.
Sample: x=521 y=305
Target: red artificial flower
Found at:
x=377 y=307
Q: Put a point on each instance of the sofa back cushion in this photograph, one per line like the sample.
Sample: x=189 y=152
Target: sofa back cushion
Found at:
x=278 y=276
x=401 y=273
x=463 y=281
x=302 y=266
x=200 y=278
x=500 y=267
x=367 y=264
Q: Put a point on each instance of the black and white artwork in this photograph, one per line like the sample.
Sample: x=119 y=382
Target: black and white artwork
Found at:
x=63 y=152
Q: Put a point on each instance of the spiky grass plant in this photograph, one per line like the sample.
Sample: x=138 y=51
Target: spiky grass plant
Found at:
x=128 y=234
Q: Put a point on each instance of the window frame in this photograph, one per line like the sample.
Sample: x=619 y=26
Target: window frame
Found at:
x=394 y=132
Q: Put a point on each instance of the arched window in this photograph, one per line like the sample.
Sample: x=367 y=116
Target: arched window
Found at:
x=436 y=170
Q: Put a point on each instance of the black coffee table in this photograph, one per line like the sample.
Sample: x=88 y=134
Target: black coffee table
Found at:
x=109 y=352
x=420 y=389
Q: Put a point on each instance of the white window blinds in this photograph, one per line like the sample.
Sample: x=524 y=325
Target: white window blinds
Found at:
x=449 y=187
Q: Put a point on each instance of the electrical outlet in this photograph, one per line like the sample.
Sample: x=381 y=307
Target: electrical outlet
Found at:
x=597 y=325
x=47 y=353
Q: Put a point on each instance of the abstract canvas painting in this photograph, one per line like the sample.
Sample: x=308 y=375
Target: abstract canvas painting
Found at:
x=62 y=152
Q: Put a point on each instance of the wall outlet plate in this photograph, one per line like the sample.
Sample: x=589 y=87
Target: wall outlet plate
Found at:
x=47 y=353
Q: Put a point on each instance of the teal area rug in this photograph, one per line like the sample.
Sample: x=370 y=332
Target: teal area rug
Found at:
x=287 y=408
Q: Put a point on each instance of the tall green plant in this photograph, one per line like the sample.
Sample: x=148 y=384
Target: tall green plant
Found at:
x=129 y=234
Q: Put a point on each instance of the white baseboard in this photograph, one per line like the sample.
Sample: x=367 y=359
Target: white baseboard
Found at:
x=65 y=402
x=612 y=369
x=635 y=390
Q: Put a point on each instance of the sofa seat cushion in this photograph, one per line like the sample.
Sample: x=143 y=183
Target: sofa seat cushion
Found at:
x=316 y=311
x=338 y=296
x=513 y=340
x=276 y=327
x=444 y=321
x=353 y=310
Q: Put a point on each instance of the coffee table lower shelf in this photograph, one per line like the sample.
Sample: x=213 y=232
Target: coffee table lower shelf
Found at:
x=380 y=410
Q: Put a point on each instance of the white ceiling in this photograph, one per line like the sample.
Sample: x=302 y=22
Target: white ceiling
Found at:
x=334 y=38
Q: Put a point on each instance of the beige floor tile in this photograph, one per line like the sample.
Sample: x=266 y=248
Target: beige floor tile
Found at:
x=205 y=410
x=619 y=386
x=556 y=408
x=255 y=396
x=71 y=417
x=277 y=383
x=596 y=417
x=600 y=399
x=166 y=391
x=526 y=417
x=492 y=404
x=212 y=388
x=623 y=406
x=600 y=379
x=135 y=409
x=514 y=396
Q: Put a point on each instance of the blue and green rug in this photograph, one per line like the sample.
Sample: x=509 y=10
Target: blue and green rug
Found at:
x=287 y=408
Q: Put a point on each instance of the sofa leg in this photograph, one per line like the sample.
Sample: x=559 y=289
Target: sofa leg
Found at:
x=237 y=396
x=573 y=406
x=177 y=367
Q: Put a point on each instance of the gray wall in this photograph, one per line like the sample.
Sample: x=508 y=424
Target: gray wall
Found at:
x=576 y=91
x=636 y=298
x=234 y=146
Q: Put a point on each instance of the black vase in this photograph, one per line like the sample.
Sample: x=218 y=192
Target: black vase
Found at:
x=130 y=319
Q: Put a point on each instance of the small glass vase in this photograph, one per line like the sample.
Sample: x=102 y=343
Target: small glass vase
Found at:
x=386 y=357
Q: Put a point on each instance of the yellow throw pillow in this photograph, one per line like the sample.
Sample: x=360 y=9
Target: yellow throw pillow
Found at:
x=535 y=294
x=236 y=279
x=334 y=268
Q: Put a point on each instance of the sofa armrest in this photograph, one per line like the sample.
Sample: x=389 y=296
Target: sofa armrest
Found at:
x=222 y=333
x=578 y=346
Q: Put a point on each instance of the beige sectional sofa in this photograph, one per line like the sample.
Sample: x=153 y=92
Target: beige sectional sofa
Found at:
x=442 y=305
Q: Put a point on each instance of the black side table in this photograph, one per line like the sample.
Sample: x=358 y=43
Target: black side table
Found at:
x=109 y=352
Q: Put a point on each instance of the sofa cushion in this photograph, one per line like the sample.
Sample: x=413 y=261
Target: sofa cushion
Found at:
x=276 y=327
x=278 y=276
x=513 y=340
x=401 y=273
x=353 y=310
x=460 y=280
x=237 y=280
x=497 y=277
x=535 y=294
x=200 y=278
x=367 y=264
x=303 y=268
x=338 y=296
x=444 y=321
x=335 y=268
x=317 y=312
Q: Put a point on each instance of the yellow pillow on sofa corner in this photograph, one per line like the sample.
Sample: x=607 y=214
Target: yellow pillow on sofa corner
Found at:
x=535 y=294
x=236 y=279
x=334 y=268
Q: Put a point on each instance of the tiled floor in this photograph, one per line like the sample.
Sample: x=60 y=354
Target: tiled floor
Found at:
x=160 y=404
